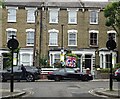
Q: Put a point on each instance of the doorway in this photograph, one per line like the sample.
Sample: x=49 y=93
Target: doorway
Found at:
x=88 y=61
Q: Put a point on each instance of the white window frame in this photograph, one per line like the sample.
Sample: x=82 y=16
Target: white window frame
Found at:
x=73 y=17
x=11 y=17
x=111 y=31
x=93 y=31
x=53 y=12
x=97 y=15
x=52 y=57
x=53 y=31
x=29 y=30
x=73 y=32
x=30 y=13
x=11 y=29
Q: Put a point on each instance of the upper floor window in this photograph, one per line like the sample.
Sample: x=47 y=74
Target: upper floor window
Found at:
x=93 y=16
x=10 y=32
x=53 y=15
x=72 y=16
x=11 y=14
x=93 y=37
x=112 y=34
x=53 y=37
x=30 y=37
x=72 y=37
x=30 y=15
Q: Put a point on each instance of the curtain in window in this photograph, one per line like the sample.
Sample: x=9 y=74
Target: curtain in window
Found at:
x=53 y=16
x=10 y=33
x=72 y=16
x=26 y=59
x=30 y=38
x=72 y=38
x=30 y=16
x=11 y=15
x=93 y=17
x=53 y=38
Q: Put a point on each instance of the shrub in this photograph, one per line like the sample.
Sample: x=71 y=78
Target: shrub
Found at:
x=106 y=70
x=117 y=65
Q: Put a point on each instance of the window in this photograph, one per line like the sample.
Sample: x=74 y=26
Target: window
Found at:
x=53 y=15
x=93 y=17
x=53 y=37
x=112 y=34
x=108 y=60
x=72 y=16
x=93 y=38
x=11 y=14
x=57 y=57
x=30 y=37
x=10 y=32
x=31 y=15
x=72 y=37
x=26 y=59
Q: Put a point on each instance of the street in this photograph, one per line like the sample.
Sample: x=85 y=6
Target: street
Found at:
x=60 y=89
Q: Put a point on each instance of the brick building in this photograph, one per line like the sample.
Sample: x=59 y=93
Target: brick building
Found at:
x=44 y=28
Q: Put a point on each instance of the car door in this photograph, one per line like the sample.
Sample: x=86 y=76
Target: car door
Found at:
x=17 y=72
x=71 y=73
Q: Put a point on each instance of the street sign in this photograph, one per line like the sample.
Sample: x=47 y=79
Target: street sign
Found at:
x=12 y=44
x=111 y=44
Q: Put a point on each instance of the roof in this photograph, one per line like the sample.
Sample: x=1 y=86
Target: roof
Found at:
x=52 y=3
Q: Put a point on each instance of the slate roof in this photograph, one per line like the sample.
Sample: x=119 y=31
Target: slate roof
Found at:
x=38 y=3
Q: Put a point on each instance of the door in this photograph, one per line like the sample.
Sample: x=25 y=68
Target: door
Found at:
x=88 y=61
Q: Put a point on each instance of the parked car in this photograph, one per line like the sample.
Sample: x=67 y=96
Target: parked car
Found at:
x=116 y=75
x=32 y=74
x=68 y=73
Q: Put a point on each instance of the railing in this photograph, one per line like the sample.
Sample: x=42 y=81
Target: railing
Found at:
x=46 y=70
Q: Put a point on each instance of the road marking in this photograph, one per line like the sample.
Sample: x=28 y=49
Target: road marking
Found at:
x=93 y=93
x=28 y=92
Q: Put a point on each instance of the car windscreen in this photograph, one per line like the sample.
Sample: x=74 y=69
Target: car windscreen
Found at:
x=68 y=70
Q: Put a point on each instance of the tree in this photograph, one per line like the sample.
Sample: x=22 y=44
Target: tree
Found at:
x=112 y=14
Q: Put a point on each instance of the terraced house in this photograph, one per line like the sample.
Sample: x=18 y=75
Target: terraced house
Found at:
x=45 y=28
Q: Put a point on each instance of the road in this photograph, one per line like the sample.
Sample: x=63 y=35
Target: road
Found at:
x=59 y=89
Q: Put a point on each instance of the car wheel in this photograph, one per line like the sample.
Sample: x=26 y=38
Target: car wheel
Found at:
x=30 y=78
x=118 y=80
x=57 y=78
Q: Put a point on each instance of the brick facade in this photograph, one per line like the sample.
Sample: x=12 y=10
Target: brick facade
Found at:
x=42 y=36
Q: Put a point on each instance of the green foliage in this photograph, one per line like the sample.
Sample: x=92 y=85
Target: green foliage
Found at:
x=112 y=14
x=72 y=55
x=43 y=61
x=117 y=65
x=8 y=62
x=2 y=3
x=106 y=70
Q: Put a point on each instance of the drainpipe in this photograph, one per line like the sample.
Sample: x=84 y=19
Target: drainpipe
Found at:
x=34 y=49
x=40 y=43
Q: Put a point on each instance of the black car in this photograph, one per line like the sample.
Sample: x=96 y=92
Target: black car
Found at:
x=32 y=74
x=68 y=73
x=116 y=75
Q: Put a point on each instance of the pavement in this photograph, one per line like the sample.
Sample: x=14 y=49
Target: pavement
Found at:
x=6 y=94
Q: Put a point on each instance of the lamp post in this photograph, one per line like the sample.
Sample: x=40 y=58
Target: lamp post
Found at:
x=111 y=45
x=12 y=45
x=62 y=46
